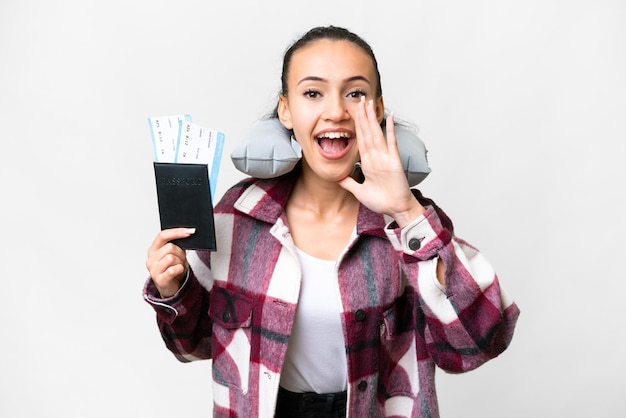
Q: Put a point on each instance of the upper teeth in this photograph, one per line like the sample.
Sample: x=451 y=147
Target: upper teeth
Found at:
x=334 y=135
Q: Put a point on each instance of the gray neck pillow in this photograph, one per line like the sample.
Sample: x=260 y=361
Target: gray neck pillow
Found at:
x=267 y=150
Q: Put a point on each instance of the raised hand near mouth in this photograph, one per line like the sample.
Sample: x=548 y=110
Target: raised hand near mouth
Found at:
x=385 y=189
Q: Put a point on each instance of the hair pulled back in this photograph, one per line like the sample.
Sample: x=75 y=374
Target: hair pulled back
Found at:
x=334 y=33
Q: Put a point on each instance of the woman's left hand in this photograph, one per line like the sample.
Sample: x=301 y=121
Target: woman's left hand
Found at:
x=385 y=189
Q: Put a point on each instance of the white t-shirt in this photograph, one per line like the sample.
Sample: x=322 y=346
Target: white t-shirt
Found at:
x=316 y=355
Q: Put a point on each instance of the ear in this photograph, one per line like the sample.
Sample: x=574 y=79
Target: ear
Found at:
x=284 y=115
x=380 y=109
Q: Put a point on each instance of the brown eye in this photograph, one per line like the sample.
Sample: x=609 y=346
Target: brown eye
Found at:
x=357 y=94
x=311 y=94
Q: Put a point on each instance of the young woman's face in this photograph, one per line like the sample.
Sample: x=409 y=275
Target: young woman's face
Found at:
x=326 y=80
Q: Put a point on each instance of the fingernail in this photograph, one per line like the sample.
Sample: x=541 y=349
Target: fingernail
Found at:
x=191 y=230
x=372 y=102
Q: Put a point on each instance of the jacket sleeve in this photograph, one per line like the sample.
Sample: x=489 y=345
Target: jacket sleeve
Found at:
x=470 y=320
x=183 y=318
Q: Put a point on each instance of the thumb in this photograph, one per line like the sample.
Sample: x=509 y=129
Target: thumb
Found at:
x=349 y=184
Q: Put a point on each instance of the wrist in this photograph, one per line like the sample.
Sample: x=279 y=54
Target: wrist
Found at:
x=169 y=291
x=174 y=285
x=408 y=215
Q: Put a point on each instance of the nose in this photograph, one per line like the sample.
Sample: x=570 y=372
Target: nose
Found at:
x=336 y=109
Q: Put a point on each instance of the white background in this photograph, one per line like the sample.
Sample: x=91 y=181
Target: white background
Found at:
x=522 y=106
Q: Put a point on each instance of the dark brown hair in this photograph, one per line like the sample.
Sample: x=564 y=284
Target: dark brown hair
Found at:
x=334 y=33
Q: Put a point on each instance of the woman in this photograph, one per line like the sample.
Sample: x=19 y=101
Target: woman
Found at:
x=329 y=297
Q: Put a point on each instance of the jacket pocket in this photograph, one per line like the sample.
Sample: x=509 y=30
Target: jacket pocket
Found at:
x=398 y=375
x=231 y=313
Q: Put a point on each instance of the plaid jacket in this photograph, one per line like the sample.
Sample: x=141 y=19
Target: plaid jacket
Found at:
x=238 y=303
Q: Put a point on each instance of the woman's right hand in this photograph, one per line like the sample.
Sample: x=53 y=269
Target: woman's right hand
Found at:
x=167 y=262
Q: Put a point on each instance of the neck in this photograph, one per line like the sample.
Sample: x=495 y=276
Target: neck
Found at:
x=325 y=198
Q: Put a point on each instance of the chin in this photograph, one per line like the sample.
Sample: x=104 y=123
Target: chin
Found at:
x=338 y=175
x=333 y=171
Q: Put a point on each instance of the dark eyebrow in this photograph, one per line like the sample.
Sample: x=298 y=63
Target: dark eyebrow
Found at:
x=348 y=80
x=311 y=78
x=358 y=78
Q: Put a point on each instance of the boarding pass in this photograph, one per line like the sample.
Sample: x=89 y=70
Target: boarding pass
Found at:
x=177 y=140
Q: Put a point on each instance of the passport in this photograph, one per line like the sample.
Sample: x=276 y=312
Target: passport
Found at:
x=184 y=197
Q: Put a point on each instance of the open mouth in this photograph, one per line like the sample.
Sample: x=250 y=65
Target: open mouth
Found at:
x=334 y=143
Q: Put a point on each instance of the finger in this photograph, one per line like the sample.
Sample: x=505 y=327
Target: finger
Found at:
x=359 y=123
x=391 y=132
x=376 y=139
x=372 y=118
x=349 y=184
x=159 y=259
x=366 y=131
x=164 y=266
x=170 y=260
x=168 y=235
x=174 y=271
x=169 y=282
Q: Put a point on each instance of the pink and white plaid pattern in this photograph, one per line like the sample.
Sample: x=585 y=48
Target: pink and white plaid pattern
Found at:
x=238 y=303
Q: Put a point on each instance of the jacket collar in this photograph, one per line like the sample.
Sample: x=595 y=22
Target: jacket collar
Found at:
x=265 y=200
